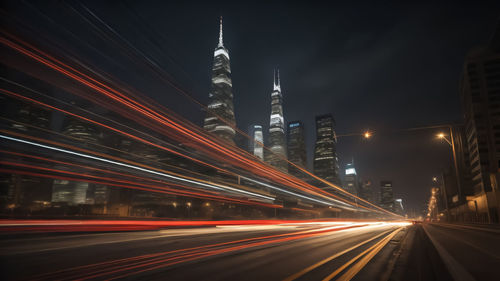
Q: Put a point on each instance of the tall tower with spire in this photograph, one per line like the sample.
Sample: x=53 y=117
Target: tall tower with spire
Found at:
x=220 y=114
x=277 y=138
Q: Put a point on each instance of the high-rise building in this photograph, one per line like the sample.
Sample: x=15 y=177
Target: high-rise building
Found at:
x=256 y=141
x=71 y=192
x=23 y=191
x=386 y=196
x=351 y=179
x=365 y=191
x=480 y=97
x=325 y=163
x=296 y=148
x=220 y=115
x=277 y=142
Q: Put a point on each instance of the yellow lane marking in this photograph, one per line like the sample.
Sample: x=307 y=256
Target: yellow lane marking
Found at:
x=306 y=270
x=370 y=253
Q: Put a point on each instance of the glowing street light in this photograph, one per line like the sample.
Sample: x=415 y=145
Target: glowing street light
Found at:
x=367 y=135
x=443 y=137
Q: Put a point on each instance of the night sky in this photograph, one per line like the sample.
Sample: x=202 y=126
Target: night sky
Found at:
x=384 y=67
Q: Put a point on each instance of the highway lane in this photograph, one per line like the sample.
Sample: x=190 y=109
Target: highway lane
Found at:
x=266 y=252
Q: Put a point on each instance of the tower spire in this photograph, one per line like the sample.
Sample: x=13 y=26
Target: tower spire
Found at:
x=279 y=84
x=220 y=34
x=276 y=83
x=274 y=77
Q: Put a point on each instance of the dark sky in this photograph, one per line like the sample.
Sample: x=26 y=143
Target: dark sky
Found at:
x=382 y=66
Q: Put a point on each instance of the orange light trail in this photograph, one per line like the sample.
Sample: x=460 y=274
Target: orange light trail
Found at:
x=148 y=262
x=237 y=159
x=137 y=138
x=163 y=120
x=211 y=197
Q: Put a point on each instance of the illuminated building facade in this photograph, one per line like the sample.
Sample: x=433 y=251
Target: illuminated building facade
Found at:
x=366 y=191
x=386 y=196
x=255 y=144
x=70 y=192
x=351 y=184
x=277 y=141
x=325 y=163
x=296 y=148
x=220 y=114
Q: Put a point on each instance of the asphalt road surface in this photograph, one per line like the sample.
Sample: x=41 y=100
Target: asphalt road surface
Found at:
x=470 y=252
x=300 y=251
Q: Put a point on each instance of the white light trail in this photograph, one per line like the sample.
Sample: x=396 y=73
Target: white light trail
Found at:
x=298 y=195
x=218 y=186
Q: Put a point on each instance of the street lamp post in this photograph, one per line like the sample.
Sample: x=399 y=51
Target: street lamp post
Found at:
x=451 y=142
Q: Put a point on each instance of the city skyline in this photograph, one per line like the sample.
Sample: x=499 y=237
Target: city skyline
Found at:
x=246 y=141
x=254 y=54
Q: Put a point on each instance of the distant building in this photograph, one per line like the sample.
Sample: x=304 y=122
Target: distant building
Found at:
x=101 y=194
x=220 y=115
x=325 y=163
x=139 y=203
x=72 y=192
x=277 y=140
x=351 y=183
x=31 y=118
x=366 y=191
x=386 y=196
x=69 y=192
x=256 y=141
x=480 y=97
x=81 y=132
x=296 y=148
x=21 y=191
x=398 y=207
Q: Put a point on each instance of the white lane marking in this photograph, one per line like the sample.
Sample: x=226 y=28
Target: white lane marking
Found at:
x=456 y=270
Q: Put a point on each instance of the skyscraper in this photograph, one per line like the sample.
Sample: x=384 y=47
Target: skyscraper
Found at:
x=256 y=141
x=72 y=192
x=296 y=148
x=386 y=196
x=351 y=183
x=366 y=191
x=325 y=162
x=277 y=142
x=220 y=115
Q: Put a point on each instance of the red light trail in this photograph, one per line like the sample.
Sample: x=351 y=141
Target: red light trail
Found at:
x=233 y=155
x=139 y=264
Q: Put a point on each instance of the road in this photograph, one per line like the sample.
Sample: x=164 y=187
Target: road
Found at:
x=289 y=251
x=470 y=252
